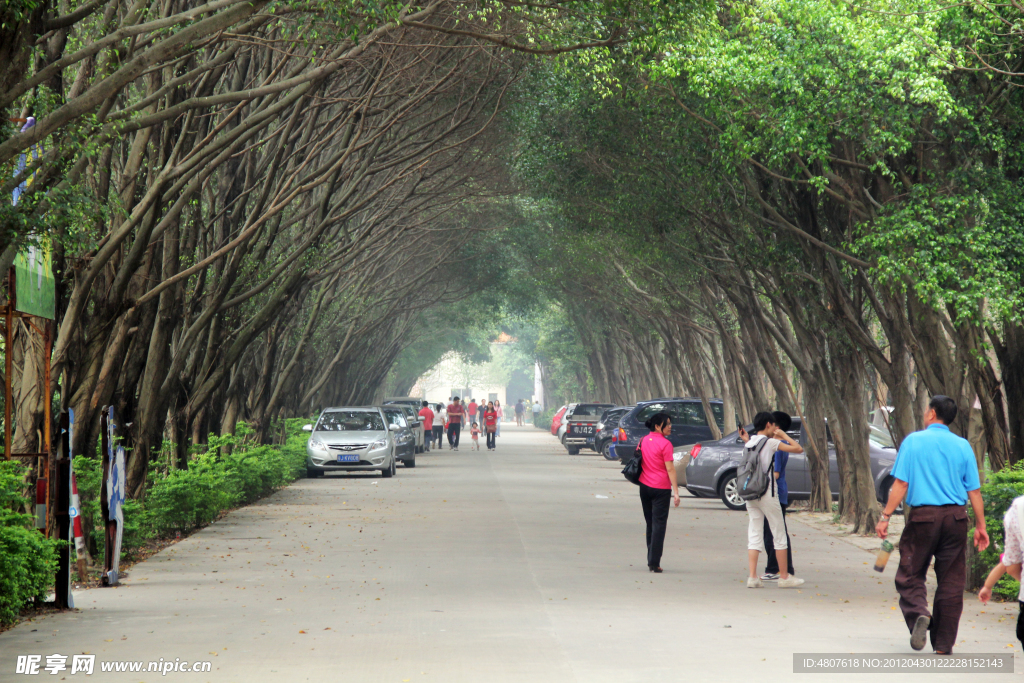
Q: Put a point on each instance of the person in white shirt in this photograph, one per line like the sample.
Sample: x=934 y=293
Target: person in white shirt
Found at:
x=440 y=417
x=767 y=507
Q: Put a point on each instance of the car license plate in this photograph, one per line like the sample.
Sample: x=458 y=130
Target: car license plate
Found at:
x=348 y=458
x=580 y=429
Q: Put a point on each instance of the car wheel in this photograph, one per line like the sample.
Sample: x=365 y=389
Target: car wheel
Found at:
x=729 y=493
x=313 y=474
x=390 y=471
x=608 y=453
x=573 y=450
x=410 y=463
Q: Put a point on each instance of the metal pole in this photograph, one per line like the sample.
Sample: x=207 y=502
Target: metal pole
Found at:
x=62 y=476
x=51 y=463
x=8 y=370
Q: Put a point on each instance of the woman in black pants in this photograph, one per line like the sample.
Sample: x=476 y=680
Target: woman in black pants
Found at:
x=657 y=485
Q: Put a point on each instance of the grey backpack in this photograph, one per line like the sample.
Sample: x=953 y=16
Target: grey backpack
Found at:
x=751 y=481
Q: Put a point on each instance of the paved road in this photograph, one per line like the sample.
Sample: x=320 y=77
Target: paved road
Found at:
x=520 y=565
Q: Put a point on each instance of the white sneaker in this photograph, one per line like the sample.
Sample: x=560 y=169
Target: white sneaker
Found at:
x=754 y=582
x=790 y=582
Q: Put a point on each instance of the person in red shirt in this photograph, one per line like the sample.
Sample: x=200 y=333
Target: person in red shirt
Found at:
x=490 y=424
x=471 y=410
x=456 y=411
x=427 y=416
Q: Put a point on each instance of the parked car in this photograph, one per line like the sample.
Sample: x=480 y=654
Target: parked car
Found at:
x=560 y=433
x=688 y=423
x=405 y=438
x=607 y=430
x=711 y=469
x=556 y=421
x=413 y=417
x=351 y=440
x=579 y=427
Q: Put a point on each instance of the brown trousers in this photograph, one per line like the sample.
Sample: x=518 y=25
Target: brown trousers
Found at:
x=938 y=531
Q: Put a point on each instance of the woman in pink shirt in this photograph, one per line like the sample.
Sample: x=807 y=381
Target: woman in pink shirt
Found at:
x=657 y=485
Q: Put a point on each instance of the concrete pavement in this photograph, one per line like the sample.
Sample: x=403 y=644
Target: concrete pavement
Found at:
x=524 y=564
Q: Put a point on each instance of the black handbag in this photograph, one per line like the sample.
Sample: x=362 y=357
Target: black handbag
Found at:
x=635 y=467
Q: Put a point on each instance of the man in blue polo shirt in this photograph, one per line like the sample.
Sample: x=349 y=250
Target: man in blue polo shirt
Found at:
x=937 y=472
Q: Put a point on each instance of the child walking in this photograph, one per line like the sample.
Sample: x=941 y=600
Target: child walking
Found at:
x=475 y=433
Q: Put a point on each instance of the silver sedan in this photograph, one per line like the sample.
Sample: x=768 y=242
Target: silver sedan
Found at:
x=711 y=468
x=350 y=440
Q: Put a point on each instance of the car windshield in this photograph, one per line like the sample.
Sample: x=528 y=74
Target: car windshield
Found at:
x=350 y=421
x=589 y=410
x=395 y=417
x=880 y=437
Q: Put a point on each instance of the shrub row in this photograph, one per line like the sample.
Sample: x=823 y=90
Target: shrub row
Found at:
x=228 y=472
x=998 y=492
x=28 y=560
x=543 y=419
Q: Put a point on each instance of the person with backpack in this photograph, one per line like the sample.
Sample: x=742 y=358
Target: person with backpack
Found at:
x=771 y=570
x=658 y=485
x=756 y=482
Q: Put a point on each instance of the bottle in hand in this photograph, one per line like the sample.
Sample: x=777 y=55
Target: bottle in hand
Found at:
x=883 y=556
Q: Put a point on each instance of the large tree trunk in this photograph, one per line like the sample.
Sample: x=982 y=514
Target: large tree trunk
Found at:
x=857 y=502
x=817 y=445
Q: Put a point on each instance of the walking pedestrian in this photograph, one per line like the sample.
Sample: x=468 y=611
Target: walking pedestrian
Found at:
x=771 y=570
x=440 y=417
x=481 y=409
x=536 y=411
x=474 y=432
x=520 y=409
x=658 y=485
x=937 y=473
x=501 y=414
x=427 y=418
x=768 y=440
x=490 y=425
x=471 y=409
x=456 y=411
x=1010 y=560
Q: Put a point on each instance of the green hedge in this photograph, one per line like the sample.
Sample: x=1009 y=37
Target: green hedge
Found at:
x=226 y=473
x=998 y=492
x=28 y=560
x=543 y=419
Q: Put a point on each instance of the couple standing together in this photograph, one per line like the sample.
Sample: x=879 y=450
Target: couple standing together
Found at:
x=767 y=522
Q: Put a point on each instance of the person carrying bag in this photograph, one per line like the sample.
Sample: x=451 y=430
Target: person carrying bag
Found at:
x=755 y=482
x=653 y=469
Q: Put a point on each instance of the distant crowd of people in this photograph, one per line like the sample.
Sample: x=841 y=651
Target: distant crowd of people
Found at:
x=482 y=418
x=935 y=473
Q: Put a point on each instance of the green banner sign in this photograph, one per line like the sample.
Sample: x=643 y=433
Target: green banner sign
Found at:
x=33 y=281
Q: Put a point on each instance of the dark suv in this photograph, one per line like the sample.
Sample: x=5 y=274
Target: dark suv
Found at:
x=688 y=423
